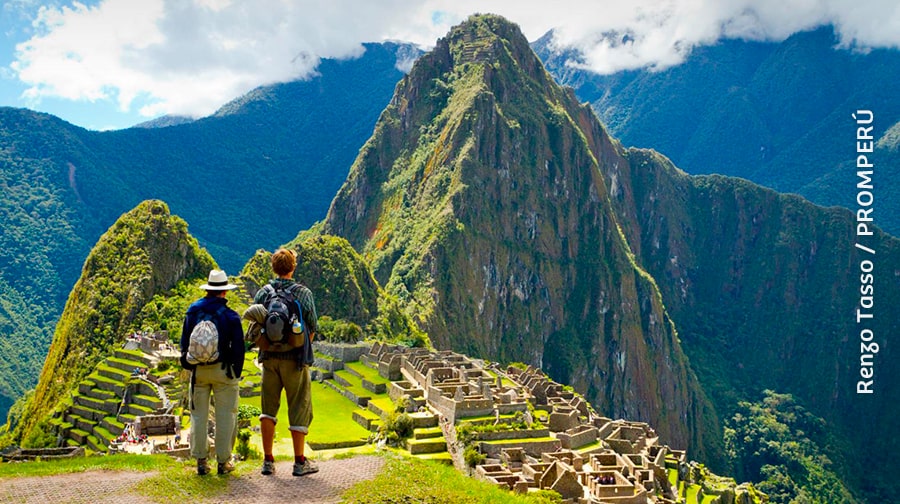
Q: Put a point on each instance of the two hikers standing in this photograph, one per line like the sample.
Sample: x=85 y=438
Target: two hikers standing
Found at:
x=283 y=324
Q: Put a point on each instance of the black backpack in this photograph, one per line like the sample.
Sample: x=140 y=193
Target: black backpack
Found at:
x=284 y=328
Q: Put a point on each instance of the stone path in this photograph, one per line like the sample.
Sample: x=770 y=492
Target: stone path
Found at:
x=90 y=487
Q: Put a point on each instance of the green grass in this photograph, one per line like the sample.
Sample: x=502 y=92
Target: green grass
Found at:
x=413 y=480
x=137 y=354
x=112 y=421
x=355 y=382
x=366 y=372
x=127 y=362
x=332 y=421
x=427 y=432
x=673 y=476
x=506 y=382
x=97 y=377
x=384 y=403
x=124 y=375
x=367 y=414
x=692 y=492
x=143 y=463
x=104 y=433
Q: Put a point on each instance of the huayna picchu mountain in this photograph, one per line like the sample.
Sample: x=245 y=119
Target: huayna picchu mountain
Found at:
x=480 y=204
x=499 y=210
x=145 y=253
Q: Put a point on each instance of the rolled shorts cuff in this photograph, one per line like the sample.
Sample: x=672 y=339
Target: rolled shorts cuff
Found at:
x=270 y=417
x=299 y=428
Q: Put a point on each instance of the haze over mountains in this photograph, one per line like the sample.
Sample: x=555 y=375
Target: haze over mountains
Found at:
x=509 y=224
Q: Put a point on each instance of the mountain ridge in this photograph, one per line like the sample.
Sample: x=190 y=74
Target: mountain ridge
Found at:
x=63 y=186
x=776 y=113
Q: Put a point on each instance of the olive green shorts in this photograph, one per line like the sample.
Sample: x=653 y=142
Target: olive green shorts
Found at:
x=278 y=375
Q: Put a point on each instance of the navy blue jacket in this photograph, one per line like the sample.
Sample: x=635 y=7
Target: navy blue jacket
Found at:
x=231 y=333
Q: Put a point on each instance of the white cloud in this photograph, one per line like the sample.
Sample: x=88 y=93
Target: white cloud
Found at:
x=661 y=33
x=190 y=56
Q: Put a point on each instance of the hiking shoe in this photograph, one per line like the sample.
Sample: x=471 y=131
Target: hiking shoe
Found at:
x=307 y=467
x=268 y=467
x=226 y=467
x=202 y=467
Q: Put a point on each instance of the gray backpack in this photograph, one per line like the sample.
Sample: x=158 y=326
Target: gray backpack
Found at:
x=203 y=344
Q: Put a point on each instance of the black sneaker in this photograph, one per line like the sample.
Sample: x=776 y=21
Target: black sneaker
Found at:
x=268 y=467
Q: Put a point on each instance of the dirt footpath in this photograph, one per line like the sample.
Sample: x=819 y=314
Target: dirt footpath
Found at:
x=91 y=487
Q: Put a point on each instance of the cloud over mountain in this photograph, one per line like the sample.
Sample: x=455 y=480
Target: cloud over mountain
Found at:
x=189 y=57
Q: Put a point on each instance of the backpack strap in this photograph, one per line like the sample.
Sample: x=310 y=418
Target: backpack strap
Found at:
x=216 y=314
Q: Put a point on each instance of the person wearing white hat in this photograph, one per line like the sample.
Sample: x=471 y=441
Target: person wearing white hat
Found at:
x=212 y=347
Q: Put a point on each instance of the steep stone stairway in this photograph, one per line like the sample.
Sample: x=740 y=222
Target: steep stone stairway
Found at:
x=107 y=399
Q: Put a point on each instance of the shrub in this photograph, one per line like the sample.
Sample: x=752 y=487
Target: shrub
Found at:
x=396 y=427
x=246 y=413
x=41 y=436
x=243 y=446
x=402 y=403
x=347 y=332
x=473 y=457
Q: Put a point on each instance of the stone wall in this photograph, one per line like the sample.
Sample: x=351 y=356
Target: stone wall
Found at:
x=342 y=351
x=577 y=437
x=532 y=448
x=155 y=425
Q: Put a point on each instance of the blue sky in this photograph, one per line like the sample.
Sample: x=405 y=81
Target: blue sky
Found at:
x=108 y=64
x=15 y=27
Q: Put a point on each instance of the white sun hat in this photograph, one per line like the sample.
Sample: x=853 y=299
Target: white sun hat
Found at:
x=218 y=281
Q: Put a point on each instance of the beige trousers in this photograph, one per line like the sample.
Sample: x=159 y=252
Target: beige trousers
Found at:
x=211 y=378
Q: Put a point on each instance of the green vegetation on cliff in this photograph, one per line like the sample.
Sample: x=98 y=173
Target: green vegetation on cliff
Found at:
x=776 y=444
x=764 y=288
x=146 y=252
x=42 y=244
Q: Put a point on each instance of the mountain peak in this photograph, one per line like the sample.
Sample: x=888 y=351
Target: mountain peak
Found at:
x=480 y=204
x=482 y=38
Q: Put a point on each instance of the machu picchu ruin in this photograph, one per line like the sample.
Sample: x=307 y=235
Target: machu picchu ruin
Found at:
x=535 y=434
x=511 y=426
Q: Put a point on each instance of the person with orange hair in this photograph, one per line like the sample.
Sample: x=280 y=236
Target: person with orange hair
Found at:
x=285 y=364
